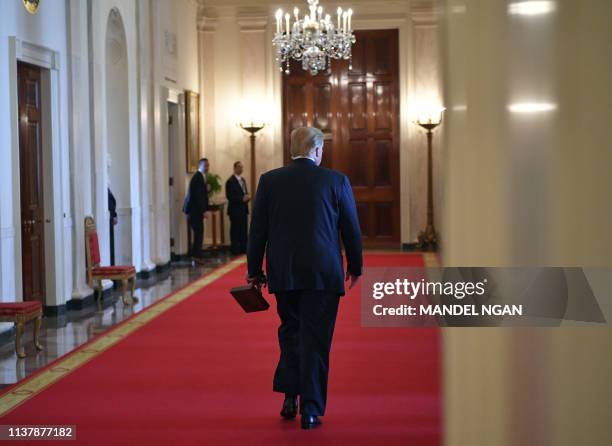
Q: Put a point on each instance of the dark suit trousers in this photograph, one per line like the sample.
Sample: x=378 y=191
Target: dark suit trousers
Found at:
x=197 y=226
x=305 y=335
x=112 y=242
x=238 y=233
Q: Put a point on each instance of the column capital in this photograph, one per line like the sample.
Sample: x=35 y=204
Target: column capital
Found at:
x=424 y=16
x=207 y=24
x=251 y=22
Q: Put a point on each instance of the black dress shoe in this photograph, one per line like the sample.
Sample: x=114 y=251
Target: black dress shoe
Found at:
x=290 y=407
x=310 y=421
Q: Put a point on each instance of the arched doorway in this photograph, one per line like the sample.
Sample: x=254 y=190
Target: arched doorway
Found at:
x=118 y=138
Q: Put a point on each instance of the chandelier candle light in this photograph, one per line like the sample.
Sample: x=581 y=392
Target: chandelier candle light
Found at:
x=313 y=39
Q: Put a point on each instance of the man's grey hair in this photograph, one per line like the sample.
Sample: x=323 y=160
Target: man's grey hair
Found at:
x=304 y=140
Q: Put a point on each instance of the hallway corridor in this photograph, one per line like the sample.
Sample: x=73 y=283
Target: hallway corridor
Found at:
x=195 y=369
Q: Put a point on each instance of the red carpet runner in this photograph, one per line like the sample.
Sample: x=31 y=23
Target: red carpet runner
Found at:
x=201 y=374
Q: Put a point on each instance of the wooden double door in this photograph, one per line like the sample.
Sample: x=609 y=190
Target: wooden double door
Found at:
x=31 y=175
x=357 y=108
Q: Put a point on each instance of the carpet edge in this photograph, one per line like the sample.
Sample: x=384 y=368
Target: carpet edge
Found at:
x=26 y=389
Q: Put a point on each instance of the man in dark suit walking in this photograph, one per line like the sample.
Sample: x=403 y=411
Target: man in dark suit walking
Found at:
x=237 y=208
x=196 y=207
x=300 y=212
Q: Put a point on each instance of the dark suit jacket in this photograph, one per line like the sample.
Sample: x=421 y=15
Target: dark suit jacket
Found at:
x=196 y=201
x=112 y=204
x=300 y=212
x=235 y=206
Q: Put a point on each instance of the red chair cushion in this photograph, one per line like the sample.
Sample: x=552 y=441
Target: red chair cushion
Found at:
x=94 y=248
x=15 y=308
x=111 y=270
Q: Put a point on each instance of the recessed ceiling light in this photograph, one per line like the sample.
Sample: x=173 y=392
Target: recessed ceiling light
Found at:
x=531 y=107
x=535 y=7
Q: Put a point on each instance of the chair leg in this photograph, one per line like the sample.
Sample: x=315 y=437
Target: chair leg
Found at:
x=19 y=325
x=124 y=284
x=37 y=325
x=134 y=298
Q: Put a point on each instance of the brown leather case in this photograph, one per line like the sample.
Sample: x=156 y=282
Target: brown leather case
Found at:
x=250 y=298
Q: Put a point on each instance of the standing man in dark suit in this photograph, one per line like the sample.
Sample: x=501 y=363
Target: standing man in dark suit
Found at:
x=300 y=213
x=196 y=207
x=112 y=210
x=237 y=208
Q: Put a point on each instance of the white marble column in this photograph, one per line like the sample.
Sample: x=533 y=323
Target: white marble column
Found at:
x=81 y=150
x=163 y=69
x=145 y=112
x=136 y=208
x=208 y=85
x=99 y=175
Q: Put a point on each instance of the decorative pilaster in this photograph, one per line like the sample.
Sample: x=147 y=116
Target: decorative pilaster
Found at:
x=206 y=54
x=81 y=187
x=253 y=44
x=145 y=40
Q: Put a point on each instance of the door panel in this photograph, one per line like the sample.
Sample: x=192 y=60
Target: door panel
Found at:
x=358 y=165
x=358 y=111
x=383 y=96
x=383 y=163
x=358 y=115
x=32 y=193
x=359 y=55
x=384 y=216
x=296 y=105
x=382 y=61
x=322 y=107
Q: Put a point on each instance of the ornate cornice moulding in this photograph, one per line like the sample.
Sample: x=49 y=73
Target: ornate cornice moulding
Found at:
x=361 y=7
x=256 y=14
x=377 y=4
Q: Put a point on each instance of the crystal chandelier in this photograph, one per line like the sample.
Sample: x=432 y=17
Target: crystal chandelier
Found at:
x=313 y=39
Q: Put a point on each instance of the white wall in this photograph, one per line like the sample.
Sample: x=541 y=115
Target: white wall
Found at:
x=177 y=43
x=118 y=164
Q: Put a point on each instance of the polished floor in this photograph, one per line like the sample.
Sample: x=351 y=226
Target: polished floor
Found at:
x=60 y=335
